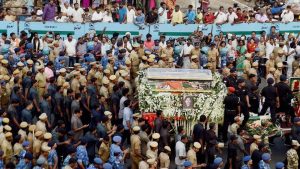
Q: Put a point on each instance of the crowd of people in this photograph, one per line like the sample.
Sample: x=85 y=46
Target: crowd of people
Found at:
x=143 y=12
x=72 y=103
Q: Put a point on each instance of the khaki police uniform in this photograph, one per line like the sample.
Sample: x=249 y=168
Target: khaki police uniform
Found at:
x=164 y=160
x=135 y=145
x=41 y=80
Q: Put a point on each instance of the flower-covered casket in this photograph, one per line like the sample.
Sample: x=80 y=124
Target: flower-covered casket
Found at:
x=182 y=94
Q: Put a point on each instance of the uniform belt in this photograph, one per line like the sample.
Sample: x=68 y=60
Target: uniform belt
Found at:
x=42 y=87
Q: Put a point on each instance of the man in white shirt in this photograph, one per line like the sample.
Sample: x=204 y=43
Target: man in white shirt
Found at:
x=97 y=15
x=77 y=13
x=130 y=13
x=220 y=16
x=66 y=9
x=186 y=54
x=61 y=18
x=107 y=16
x=287 y=15
x=127 y=120
x=261 y=17
x=231 y=16
x=125 y=94
x=270 y=45
x=162 y=13
x=70 y=45
x=180 y=152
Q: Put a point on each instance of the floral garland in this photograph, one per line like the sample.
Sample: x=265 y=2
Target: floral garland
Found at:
x=210 y=104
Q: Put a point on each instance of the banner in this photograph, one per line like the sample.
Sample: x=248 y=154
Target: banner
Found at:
x=76 y=29
x=8 y=27
x=180 y=30
x=111 y=28
x=242 y=28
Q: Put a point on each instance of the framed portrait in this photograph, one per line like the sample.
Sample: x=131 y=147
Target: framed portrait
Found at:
x=188 y=102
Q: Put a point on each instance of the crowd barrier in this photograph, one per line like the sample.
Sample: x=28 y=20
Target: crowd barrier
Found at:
x=78 y=29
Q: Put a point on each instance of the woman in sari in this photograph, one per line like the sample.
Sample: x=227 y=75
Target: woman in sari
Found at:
x=223 y=50
x=241 y=50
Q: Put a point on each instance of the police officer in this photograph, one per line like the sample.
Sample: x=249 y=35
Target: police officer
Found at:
x=232 y=109
x=135 y=148
x=242 y=93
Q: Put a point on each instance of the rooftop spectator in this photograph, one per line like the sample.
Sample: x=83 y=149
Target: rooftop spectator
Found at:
x=49 y=11
x=177 y=16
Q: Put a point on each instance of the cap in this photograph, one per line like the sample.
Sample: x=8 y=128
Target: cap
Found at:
x=106 y=113
x=32 y=127
x=167 y=148
x=117 y=139
x=151 y=161
x=107 y=166
x=16 y=72
x=218 y=161
x=105 y=81
x=46 y=148
x=62 y=70
x=4 y=61
x=47 y=136
x=124 y=74
x=20 y=64
x=231 y=89
x=38 y=133
x=150 y=60
x=152 y=56
x=187 y=164
x=127 y=62
x=7 y=128
x=43 y=116
x=221 y=145
x=8 y=134
x=25 y=143
x=246 y=158
x=283 y=78
x=107 y=71
x=197 y=145
x=266 y=157
x=136 y=128
x=97 y=160
x=295 y=143
x=112 y=77
x=153 y=144
x=144 y=58
x=29 y=62
x=194 y=57
x=147 y=52
x=127 y=33
x=155 y=136
x=5 y=120
x=279 y=64
x=23 y=124
x=279 y=165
